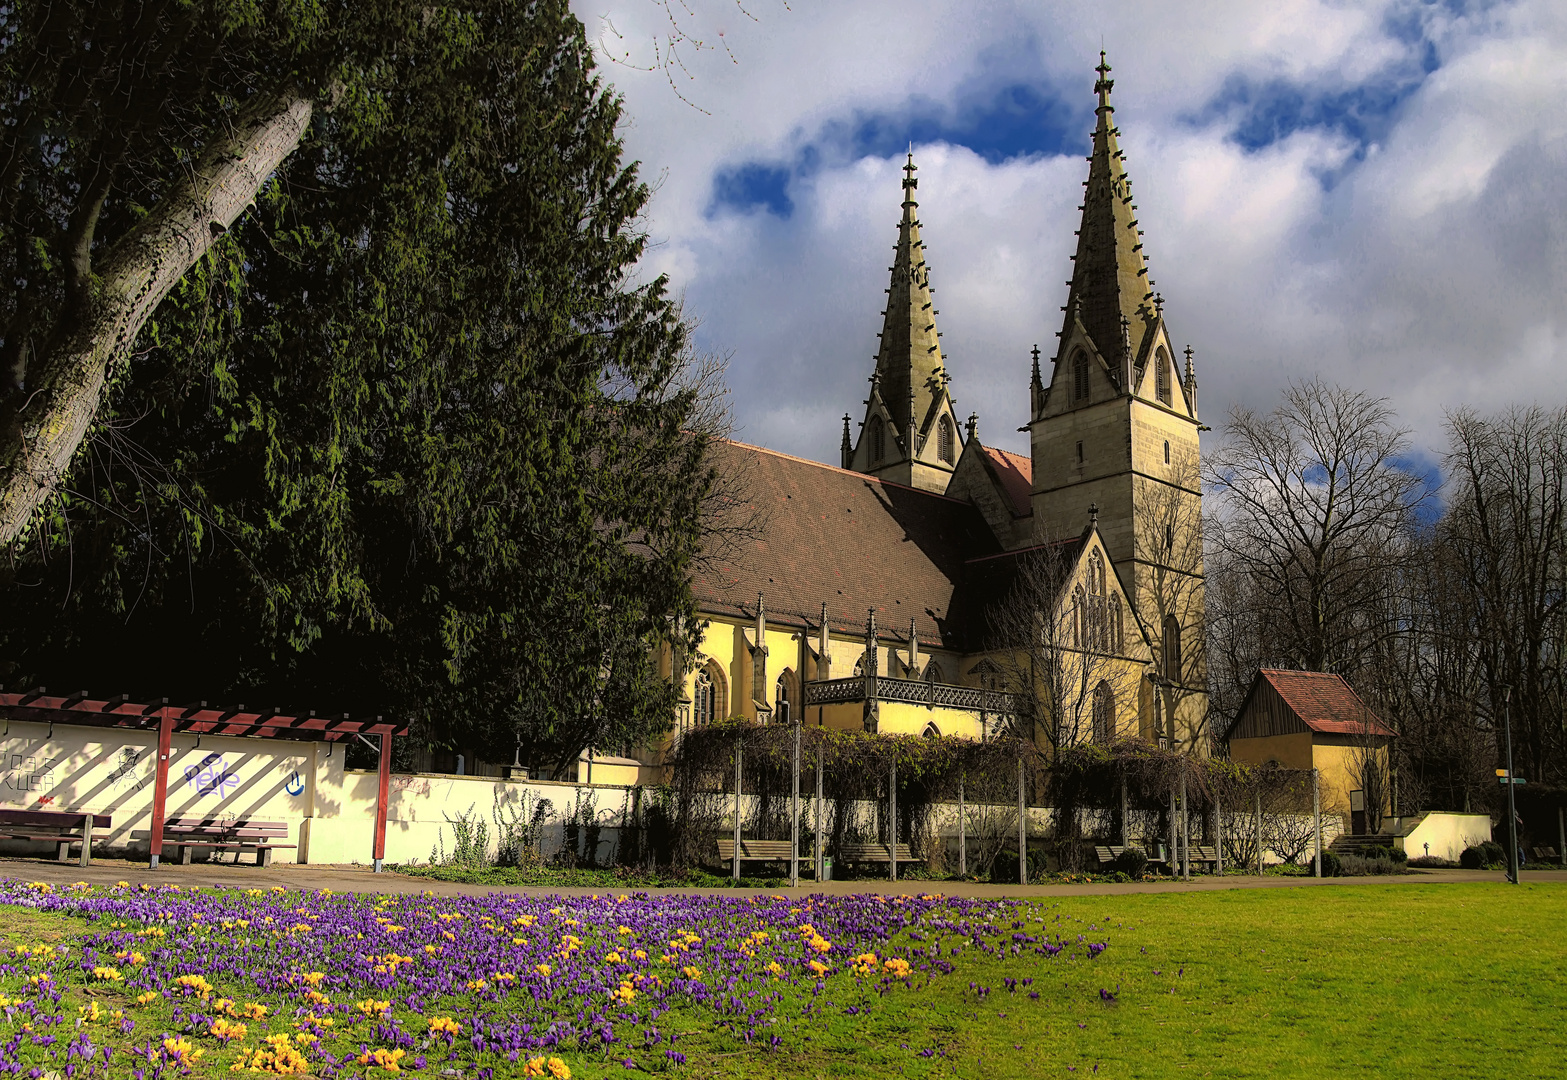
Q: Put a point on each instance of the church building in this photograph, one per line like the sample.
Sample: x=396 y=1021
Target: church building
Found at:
x=930 y=584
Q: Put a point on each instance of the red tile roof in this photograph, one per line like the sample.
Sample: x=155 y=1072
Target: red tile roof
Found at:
x=1324 y=702
x=828 y=534
x=1015 y=474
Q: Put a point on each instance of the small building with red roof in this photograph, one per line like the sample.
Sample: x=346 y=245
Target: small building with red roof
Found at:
x=1315 y=720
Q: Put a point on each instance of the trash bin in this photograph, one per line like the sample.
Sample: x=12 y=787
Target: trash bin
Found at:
x=826 y=869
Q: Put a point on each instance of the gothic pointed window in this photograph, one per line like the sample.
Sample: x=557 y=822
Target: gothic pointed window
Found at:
x=944 y=440
x=878 y=440
x=1104 y=713
x=1079 y=376
x=1172 y=648
x=1162 y=382
x=933 y=672
x=932 y=731
x=781 y=703
x=704 y=700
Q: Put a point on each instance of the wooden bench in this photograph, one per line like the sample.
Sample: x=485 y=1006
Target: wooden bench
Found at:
x=874 y=853
x=755 y=850
x=237 y=835
x=1546 y=854
x=62 y=828
x=1108 y=853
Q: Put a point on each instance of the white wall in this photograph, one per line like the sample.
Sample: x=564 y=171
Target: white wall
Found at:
x=1447 y=835
x=330 y=811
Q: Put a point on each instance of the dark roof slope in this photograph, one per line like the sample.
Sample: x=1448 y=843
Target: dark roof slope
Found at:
x=828 y=534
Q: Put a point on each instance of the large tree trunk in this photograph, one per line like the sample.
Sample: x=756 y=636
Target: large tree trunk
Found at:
x=41 y=430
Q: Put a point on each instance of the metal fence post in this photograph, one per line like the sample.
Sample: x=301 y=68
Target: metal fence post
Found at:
x=1186 y=830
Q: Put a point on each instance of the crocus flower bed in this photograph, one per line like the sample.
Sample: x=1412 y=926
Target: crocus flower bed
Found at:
x=163 y=981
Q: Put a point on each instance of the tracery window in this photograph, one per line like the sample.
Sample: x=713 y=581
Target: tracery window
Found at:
x=1162 y=384
x=1104 y=712
x=704 y=703
x=1080 y=376
x=781 y=702
x=878 y=440
x=944 y=440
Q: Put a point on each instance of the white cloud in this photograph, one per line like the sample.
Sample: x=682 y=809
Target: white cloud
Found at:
x=1427 y=267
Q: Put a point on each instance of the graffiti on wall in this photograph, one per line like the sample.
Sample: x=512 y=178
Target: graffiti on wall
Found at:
x=27 y=773
x=295 y=784
x=124 y=774
x=414 y=785
x=210 y=776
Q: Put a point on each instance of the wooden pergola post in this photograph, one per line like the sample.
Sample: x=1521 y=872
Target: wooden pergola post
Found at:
x=892 y=819
x=962 y=834
x=735 y=868
x=794 y=809
x=382 y=796
x=1022 y=828
x=821 y=844
x=1316 y=821
x=160 y=784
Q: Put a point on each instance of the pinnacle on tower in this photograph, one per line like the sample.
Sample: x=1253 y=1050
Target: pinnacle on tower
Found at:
x=1109 y=278
x=846 y=448
x=910 y=354
x=1036 y=387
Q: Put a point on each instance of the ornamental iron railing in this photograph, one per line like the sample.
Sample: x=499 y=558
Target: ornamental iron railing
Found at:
x=913 y=692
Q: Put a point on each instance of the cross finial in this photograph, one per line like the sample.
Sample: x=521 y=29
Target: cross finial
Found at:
x=1158 y=303
x=1035 y=354
x=909 y=169
x=1103 y=86
x=1093 y=514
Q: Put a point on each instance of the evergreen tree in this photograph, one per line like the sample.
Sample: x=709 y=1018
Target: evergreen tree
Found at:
x=408 y=438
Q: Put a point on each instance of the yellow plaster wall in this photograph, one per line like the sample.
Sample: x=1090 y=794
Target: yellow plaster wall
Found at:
x=1336 y=774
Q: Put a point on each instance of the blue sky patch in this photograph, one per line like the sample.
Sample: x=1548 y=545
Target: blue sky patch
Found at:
x=1018 y=119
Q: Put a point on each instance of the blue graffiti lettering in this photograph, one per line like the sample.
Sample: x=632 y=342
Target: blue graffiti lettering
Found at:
x=295 y=784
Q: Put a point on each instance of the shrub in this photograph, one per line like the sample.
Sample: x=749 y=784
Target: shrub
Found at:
x=1131 y=862
x=1388 y=853
x=1332 y=864
x=1003 y=870
x=1431 y=862
x=1361 y=865
x=1482 y=856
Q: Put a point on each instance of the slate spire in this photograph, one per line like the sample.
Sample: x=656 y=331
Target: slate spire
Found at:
x=1109 y=278
x=909 y=362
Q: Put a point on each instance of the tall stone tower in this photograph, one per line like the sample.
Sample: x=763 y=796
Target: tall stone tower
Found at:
x=1116 y=431
x=910 y=433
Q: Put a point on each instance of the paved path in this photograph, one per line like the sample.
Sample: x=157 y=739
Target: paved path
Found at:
x=360 y=879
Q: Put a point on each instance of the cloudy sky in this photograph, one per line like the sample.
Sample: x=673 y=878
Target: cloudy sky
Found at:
x=1371 y=192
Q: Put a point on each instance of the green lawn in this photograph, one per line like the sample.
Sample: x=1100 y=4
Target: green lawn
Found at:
x=1418 y=980
x=1375 y=981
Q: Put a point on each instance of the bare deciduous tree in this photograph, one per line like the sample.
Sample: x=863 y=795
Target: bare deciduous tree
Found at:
x=1314 y=504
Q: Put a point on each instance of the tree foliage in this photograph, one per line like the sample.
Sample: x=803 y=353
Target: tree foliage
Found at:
x=410 y=438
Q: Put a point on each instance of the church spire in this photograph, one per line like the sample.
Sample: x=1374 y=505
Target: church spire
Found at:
x=1109 y=278
x=909 y=361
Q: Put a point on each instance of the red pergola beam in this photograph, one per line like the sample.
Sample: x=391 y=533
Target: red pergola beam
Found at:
x=77 y=709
